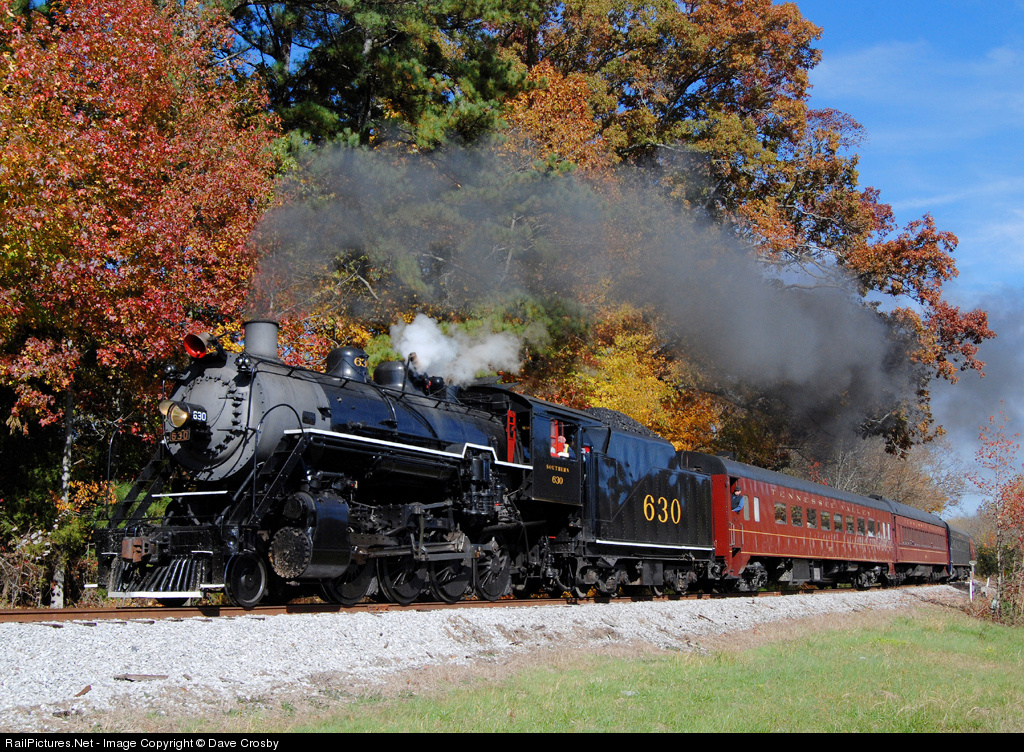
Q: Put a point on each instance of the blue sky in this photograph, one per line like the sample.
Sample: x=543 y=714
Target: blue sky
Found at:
x=939 y=88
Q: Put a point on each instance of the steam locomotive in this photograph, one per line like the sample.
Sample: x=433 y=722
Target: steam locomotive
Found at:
x=273 y=480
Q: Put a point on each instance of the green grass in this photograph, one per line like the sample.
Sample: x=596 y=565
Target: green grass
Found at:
x=940 y=672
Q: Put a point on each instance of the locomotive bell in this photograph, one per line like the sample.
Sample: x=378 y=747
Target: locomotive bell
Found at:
x=348 y=363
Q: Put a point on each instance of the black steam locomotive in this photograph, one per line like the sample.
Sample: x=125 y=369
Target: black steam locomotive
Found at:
x=272 y=480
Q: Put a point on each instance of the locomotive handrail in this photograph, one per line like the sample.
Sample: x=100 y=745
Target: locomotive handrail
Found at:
x=155 y=475
x=256 y=471
x=256 y=511
x=189 y=493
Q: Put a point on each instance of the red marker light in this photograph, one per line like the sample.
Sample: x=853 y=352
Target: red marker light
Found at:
x=201 y=346
x=195 y=345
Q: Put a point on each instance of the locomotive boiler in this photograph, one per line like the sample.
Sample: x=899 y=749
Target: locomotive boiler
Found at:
x=273 y=480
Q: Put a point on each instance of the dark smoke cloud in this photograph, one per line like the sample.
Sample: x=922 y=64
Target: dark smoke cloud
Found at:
x=466 y=227
x=965 y=406
x=454 y=227
x=815 y=343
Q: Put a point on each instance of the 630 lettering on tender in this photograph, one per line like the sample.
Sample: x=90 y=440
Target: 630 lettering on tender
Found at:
x=662 y=509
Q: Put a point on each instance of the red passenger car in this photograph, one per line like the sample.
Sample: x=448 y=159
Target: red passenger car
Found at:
x=771 y=527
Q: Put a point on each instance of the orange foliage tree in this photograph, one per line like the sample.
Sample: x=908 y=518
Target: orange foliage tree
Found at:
x=712 y=97
x=810 y=212
x=619 y=364
x=553 y=121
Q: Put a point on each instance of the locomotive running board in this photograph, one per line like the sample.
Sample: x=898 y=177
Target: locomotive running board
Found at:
x=156 y=594
x=336 y=435
x=652 y=545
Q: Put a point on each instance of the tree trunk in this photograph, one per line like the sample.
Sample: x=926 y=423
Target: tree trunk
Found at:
x=57 y=596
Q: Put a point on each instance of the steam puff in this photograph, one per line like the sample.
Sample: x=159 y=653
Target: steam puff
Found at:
x=457 y=357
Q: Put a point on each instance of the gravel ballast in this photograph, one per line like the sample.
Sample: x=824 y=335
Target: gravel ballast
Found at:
x=49 y=672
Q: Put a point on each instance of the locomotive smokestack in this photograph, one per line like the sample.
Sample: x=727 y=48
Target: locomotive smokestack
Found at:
x=261 y=338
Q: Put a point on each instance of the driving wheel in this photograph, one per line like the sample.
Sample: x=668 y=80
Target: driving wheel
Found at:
x=450 y=580
x=355 y=584
x=402 y=579
x=493 y=574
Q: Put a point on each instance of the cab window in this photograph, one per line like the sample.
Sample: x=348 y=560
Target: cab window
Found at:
x=563 y=440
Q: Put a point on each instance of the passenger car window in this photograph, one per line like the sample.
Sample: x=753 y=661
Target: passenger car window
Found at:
x=780 y=513
x=798 y=515
x=825 y=520
x=812 y=518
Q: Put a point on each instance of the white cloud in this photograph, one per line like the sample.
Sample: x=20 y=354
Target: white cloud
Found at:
x=912 y=95
x=987 y=189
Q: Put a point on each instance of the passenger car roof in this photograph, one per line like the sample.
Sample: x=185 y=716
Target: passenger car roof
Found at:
x=723 y=466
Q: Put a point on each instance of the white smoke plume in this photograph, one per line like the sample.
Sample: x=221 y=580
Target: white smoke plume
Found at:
x=457 y=357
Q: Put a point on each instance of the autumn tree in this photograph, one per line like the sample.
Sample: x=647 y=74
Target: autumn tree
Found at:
x=625 y=369
x=133 y=164
x=810 y=213
x=726 y=78
x=712 y=99
x=553 y=121
x=1001 y=481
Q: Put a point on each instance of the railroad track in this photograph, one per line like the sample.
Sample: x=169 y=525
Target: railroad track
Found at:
x=152 y=613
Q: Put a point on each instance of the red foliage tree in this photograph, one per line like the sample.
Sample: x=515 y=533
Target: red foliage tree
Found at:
x=1002 y=483
x=133 y=165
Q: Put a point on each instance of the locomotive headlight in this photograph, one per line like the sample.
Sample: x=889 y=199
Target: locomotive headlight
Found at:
x=177 y=415
x=182 y=413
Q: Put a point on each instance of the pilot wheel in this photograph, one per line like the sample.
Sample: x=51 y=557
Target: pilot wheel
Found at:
x=245 y=580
